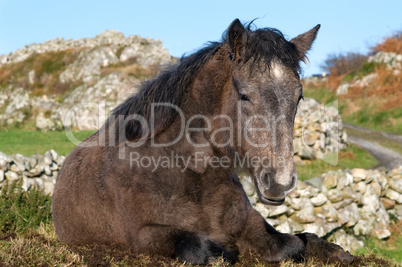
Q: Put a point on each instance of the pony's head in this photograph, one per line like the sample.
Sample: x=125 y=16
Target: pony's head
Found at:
x=267 y=89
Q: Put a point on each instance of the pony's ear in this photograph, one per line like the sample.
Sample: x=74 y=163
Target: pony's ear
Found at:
x=304 y=41
x=236 y=38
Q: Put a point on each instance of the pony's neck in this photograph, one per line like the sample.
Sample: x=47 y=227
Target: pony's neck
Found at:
x=210 y=96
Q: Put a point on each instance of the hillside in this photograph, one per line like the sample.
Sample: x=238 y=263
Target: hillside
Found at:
x=40 y=83
x=368 y=87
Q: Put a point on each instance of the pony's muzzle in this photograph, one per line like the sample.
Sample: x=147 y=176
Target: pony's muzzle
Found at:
x=272 y=190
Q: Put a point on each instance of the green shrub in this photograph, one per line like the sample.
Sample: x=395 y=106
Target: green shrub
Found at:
x=50 y=66
x=362 y=71
x=21 y=211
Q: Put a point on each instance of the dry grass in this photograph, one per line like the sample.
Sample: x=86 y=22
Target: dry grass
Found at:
x=41 y=247
x=387 y=86
x=130 y=67
x=339 y=64
x=391 y=44
x=37 y=248
x=349 y=66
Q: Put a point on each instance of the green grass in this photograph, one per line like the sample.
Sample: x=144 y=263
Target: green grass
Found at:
x=21 y=210
x=386 y=121
x=352 y=157
x=323 y=95
x=364 y=70
x=391 y=248
x=32 y=142
x=379 y=247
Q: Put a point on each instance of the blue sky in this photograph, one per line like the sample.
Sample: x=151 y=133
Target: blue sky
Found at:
x=184 y=26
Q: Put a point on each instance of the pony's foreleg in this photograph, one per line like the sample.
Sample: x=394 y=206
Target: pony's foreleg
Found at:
x=323 y=250
x=260 y=237
x=273 y=246
x=185 y=246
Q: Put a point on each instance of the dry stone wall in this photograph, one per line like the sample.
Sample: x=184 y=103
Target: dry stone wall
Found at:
x=354 y=201
x=318 y=131
x=39 y=171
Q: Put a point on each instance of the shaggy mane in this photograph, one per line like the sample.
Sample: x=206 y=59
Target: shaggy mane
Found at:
x=172 y=84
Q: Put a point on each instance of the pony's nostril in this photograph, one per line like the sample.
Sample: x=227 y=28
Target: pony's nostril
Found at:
x=265 y=180
x=293 y=184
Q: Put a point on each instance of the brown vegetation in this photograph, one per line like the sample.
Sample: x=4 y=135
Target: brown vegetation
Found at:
x=130 y=67
x=396 y=232
x=385 y=87
x=391 y=44
x=344 y=63
x=340 y=65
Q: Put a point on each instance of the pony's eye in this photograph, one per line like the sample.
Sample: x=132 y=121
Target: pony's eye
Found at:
x=300 y=97
x=244 y=97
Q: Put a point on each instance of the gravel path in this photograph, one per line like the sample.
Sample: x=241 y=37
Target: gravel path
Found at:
x=386 y=157
x=390 y=136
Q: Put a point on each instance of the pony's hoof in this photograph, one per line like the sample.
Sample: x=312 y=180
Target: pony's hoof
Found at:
x=325 y=251
x=341 y=256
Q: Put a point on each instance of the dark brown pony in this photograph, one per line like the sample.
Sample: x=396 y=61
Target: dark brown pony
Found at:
x=160 y=175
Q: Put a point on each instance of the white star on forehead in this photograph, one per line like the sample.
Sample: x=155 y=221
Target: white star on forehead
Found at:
x=276 y=70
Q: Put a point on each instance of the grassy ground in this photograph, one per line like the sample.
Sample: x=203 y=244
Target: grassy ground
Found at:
x=386 y=121
x=41 y=248
x=391 y=248
x=323 y=95
x=31 y=142
x=352 y=157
